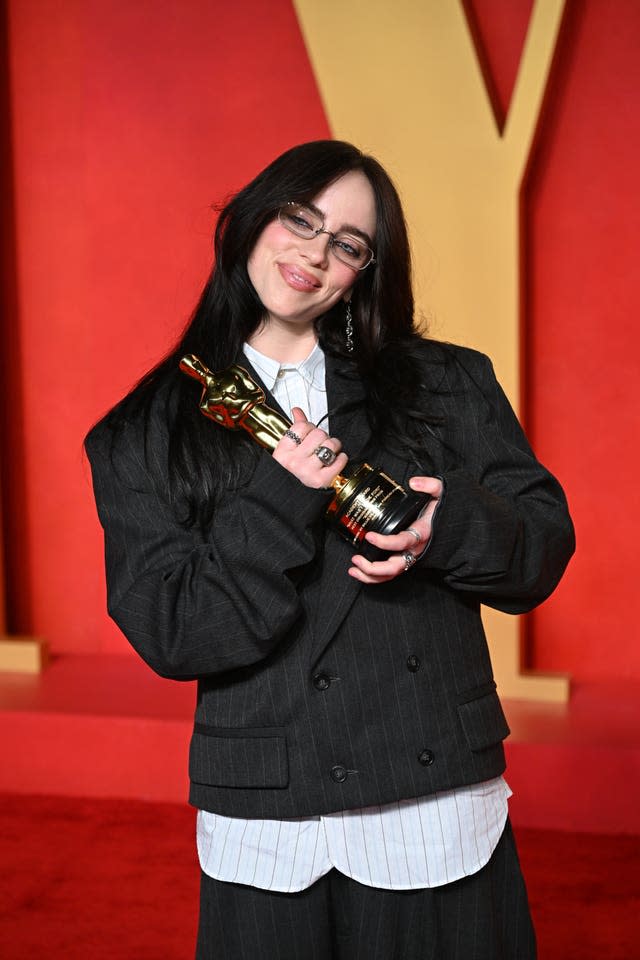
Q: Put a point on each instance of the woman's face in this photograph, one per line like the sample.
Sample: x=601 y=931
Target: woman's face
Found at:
x=297 y=280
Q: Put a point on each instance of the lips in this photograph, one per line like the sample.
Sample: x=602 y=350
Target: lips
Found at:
x=298 y=278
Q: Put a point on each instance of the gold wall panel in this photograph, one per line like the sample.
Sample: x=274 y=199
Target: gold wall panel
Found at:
x=402 y=81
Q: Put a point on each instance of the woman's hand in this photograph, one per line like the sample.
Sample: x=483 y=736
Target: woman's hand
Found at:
x=301 y=449
x=413 y=540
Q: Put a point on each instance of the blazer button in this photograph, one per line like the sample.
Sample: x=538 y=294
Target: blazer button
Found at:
x=413 y=663
x=321 y=681
x=426 y=758
x=338 y=774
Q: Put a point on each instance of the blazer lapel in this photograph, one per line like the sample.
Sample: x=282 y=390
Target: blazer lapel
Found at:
x=348 y=422
x=346 y=406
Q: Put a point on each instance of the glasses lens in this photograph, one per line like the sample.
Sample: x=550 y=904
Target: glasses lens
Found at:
x=351 y=250
x=300 y=220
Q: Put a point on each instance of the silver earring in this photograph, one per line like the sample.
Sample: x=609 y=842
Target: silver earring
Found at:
x=348 y=328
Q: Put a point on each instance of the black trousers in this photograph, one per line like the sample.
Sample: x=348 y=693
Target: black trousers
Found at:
x=481 y=917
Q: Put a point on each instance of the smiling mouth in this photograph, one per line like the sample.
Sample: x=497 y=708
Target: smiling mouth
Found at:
x=297 y=279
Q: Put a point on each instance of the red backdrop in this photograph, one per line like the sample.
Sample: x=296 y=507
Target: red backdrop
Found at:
x=583 y=356
x=127 y=120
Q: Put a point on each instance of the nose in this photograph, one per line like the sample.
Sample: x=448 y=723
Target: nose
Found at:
x=317 y=248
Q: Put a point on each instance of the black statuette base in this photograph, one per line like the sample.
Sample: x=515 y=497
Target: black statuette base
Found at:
x=373 y=502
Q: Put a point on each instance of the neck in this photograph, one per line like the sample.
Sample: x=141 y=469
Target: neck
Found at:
x=286 y=346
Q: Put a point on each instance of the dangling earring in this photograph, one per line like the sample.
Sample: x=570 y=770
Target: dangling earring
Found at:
x=348 y=328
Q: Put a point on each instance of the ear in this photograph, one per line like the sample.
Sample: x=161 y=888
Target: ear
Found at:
x=347 y=297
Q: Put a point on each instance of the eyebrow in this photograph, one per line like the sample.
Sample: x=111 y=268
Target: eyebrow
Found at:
x=345 y=228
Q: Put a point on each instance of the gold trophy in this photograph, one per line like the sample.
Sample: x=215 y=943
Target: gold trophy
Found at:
x=366 y=499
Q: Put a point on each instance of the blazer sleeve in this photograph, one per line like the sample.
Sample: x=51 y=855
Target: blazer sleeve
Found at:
x=502 y=530
x=195 y=603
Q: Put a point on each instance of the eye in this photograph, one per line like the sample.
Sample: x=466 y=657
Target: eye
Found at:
x=351 y=247
x=300 y=221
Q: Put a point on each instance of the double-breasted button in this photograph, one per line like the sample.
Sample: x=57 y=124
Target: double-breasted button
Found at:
x=426 y=758
x=413 y=663
x=338 y=773
x=321 y=681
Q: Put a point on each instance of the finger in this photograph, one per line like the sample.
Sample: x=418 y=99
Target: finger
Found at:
x=318 y=433
x=398 y=542
x=431 y=485
x=290 y=444
x=328 y=474
x=377 y=570
x=364 y=578
x=417 y=536
x=315 y=474
x=296 y=433
x=326 y=451
x=318 y=438
x=299 y=416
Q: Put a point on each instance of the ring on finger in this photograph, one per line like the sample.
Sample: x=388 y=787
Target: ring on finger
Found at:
x=409 y=560
x=292 y=436
x=414 y=533
x=326 y=455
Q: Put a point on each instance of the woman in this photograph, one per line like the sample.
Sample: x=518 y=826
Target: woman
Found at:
x=347 y=755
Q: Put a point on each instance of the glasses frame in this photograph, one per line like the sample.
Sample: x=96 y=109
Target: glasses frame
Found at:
x=320 y=230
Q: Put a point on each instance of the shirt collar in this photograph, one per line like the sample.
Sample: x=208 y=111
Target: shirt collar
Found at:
x=311 y=368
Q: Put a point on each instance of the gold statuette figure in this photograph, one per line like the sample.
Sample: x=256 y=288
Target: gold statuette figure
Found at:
x=366 y=499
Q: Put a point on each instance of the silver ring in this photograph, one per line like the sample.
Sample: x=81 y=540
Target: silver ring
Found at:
x=292 y=436
x=325 y=455
x=409 y=560
x=414 y=533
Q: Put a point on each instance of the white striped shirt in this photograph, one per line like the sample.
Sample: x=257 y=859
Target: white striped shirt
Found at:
x=422 y=842
x=401 y=846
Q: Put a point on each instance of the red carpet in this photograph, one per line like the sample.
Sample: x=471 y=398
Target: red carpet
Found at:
x=107 y=879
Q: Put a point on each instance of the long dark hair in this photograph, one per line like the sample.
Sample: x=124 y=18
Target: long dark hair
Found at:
x=203 y=460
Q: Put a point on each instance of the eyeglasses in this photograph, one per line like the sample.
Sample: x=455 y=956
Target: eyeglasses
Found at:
x=306 y=223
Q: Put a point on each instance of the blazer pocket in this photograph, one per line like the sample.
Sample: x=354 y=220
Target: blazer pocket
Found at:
x=483 y=719
x=246 y=757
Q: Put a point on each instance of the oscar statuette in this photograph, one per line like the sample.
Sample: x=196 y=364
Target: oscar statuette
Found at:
x=366 y=499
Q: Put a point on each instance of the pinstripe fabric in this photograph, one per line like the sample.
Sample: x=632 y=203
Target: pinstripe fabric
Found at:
x=415 y=843
x=318 y=695
x=259 y=607
x=481 y=917
x=402 y=846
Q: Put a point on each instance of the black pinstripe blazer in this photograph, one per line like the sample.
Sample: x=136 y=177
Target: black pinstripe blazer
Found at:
x=317 y=693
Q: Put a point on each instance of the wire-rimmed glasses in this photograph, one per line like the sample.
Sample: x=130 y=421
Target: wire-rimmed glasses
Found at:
x=300 y=219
